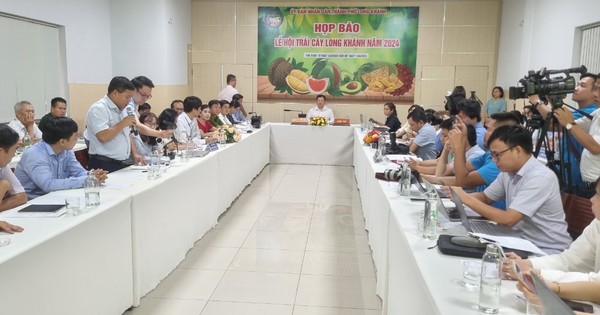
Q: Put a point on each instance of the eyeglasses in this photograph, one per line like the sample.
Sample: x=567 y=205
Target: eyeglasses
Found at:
x=151 y=124
x=496 y=155
x=145 y=96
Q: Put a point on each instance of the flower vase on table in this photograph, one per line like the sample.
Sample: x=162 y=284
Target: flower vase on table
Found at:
x=318 y=121
x=230 y=133
x=372 y=137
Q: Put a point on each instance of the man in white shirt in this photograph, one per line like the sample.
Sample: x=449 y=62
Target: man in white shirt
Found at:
x=187 y=125
x=321 y=110
x=108 y=130
x=229 y=91
x=25 y=122
x=12 y=193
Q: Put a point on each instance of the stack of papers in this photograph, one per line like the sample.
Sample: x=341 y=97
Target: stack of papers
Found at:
x=511 y=242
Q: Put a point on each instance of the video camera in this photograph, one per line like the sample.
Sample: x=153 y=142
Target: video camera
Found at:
x=547 y=83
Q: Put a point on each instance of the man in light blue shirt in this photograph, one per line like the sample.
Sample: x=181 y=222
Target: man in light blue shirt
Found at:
x=470 y=113
x=423 y=145
x=50 y=165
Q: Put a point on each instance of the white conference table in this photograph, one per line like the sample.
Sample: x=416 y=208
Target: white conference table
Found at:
x=171 y=213
x=80 y=265
x=412 y=279
x=304 y=144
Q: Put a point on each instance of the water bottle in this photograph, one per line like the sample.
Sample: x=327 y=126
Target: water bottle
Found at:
x=92 y=190
x=430 y=216
x=154 y=165
x=185 y=154
x=381 y=144
x=26 y=140
x=222 y=139
x=363 y=124
x=489 y=290
x=405 y=180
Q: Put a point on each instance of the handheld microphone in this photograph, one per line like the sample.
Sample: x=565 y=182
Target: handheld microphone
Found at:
x=132 y=127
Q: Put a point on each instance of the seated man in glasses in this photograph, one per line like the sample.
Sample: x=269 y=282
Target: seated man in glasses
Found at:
x=50 y=164
x=531 y=191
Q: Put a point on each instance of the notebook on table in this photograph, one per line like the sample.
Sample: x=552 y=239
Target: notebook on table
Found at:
x=37 y=211
x=42 y=208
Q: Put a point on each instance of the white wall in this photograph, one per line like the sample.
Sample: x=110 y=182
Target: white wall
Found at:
x=105 y=38
x=546 y=37
x=178 y=34
x=150 y=38
x=87 y=33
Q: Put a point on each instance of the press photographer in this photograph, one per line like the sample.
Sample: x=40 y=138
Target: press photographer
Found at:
x=546 y=90
x=585 y=131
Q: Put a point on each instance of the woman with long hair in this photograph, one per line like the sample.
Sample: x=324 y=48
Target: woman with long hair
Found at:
x=391 y=117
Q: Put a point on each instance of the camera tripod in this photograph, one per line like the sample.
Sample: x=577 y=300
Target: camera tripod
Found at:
x=562 y=166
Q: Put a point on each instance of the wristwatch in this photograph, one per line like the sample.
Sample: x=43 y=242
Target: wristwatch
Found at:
x=569 y=126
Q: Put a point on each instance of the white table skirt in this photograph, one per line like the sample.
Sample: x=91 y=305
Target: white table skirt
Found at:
x=171 y=213
x=327 y=145
x=61 y=266
x=412 y=279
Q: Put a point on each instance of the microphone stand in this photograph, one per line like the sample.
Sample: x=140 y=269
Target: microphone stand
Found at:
x=301 y=115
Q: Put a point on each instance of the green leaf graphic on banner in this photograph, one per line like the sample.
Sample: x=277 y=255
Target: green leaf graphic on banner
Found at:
x=375 y=20
x=298 y=19
x=318 y=66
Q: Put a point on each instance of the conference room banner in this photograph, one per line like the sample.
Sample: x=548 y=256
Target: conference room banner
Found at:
x=345 y=52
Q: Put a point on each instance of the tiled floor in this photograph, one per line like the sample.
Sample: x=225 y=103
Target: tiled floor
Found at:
x=293 y=243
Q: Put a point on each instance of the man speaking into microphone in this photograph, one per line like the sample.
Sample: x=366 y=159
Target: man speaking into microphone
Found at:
x=108 y=131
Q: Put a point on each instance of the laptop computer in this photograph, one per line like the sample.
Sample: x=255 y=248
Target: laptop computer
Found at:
x=449 y=212
x=485 y=227
x=551 y=303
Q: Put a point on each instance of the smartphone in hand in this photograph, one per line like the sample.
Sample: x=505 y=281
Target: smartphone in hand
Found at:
x=525 y=280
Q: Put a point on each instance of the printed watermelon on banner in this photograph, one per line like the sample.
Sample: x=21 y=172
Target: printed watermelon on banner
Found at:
x=322 y=68
x=317 y=86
